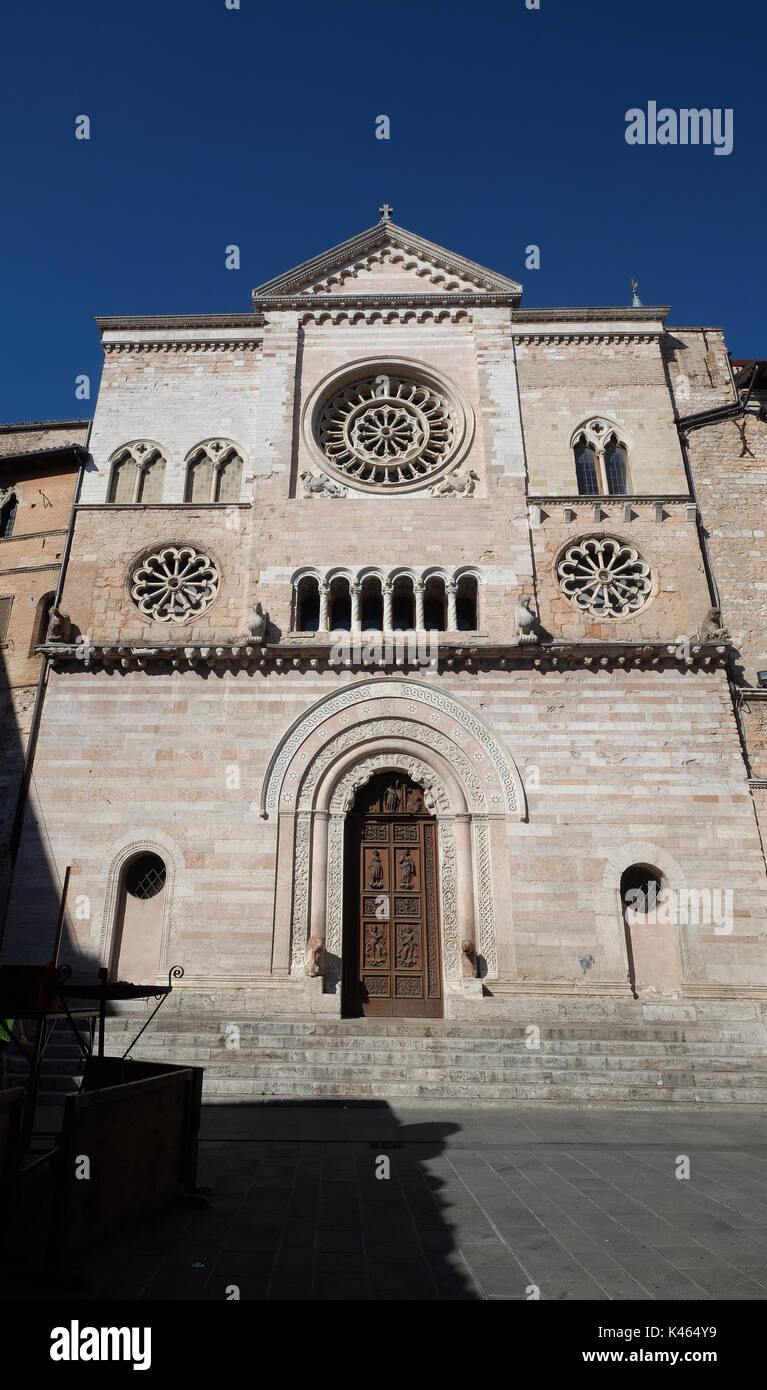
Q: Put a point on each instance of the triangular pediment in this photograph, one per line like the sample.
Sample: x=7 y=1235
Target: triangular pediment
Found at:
x=387 y=260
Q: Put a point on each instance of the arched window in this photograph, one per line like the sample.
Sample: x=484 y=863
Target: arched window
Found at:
x=8 y=510
x=138 y=474
x=214 y=472
x=42 y=619
x=434 y=604
x=340 y=605
x=139 y=921
x=371 y=604
x=601 y=460
x=616 y=466
x=586 y=468
x=466 y=607
x=308 y=604
x=403 y=605
x=639 y=889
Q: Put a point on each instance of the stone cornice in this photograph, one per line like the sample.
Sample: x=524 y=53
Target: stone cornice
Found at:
x=455 y=299
x=181 y=344
x=159 y=506
x=311 y=655
x=32 y=569
x=175 y=321
x=610 y=313
x=33 y=535
x=43 y=425
x=579 y=499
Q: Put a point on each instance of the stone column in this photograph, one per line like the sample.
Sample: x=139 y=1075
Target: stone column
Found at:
x=464 y=878
x=355 y=589
x=452 y=620
x=323 y=605
x=418 y=590
x=387 y=606
x=319 y=894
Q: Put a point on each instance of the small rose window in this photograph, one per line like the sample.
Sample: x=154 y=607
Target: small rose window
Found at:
x=604 y=577
x=175 y=584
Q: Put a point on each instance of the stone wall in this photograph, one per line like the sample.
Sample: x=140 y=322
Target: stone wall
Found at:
x=619 y=767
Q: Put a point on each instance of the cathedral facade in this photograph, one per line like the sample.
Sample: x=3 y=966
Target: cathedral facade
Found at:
x=392 y=675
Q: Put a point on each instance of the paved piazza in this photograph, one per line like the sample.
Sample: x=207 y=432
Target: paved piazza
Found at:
x=481 y=1203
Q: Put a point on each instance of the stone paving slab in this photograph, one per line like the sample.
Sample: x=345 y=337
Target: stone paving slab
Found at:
x=479 y=1204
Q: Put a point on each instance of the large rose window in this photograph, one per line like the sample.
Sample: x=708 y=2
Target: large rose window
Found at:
x=604 y=577
x=387 y=431
x=175 y=584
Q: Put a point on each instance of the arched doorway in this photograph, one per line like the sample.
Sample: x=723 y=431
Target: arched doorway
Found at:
x=391 y=946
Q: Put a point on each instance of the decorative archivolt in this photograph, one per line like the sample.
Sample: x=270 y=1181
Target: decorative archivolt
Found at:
x=438 y=801
x=435 y=794
x=477 y=799
x=446 y=714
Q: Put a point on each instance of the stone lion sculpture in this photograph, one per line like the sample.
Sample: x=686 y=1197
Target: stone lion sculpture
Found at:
x=314 y=962
x=468 y=959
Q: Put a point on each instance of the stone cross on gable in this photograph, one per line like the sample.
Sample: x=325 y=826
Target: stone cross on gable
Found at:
x=386 y=212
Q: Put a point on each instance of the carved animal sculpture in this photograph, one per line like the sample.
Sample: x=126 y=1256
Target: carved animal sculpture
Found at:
x=458 y=484
x=315 y=485
x=258 y=624
x=59 y=626
x=711 y=629
x=526 y=619
x=468 y=960
x=314 y=963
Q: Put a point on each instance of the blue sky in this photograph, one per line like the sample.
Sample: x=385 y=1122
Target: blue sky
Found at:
x=256 y=127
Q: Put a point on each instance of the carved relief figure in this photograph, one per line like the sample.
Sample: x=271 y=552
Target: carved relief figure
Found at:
x=407 y=947
x=413 y=802
x=376 y=871
x=391 y=800
x=376 y=950
x=406 y=870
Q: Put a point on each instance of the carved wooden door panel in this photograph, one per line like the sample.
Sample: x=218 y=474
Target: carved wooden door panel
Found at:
x=391 y=922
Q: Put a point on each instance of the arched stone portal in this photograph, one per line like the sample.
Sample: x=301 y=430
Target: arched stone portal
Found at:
x=392 y=956
x=464 y=771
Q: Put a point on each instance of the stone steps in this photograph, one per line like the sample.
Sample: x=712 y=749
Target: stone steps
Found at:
x=474 y=1062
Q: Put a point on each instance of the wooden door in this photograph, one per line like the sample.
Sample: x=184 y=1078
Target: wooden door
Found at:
x=391 y=937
